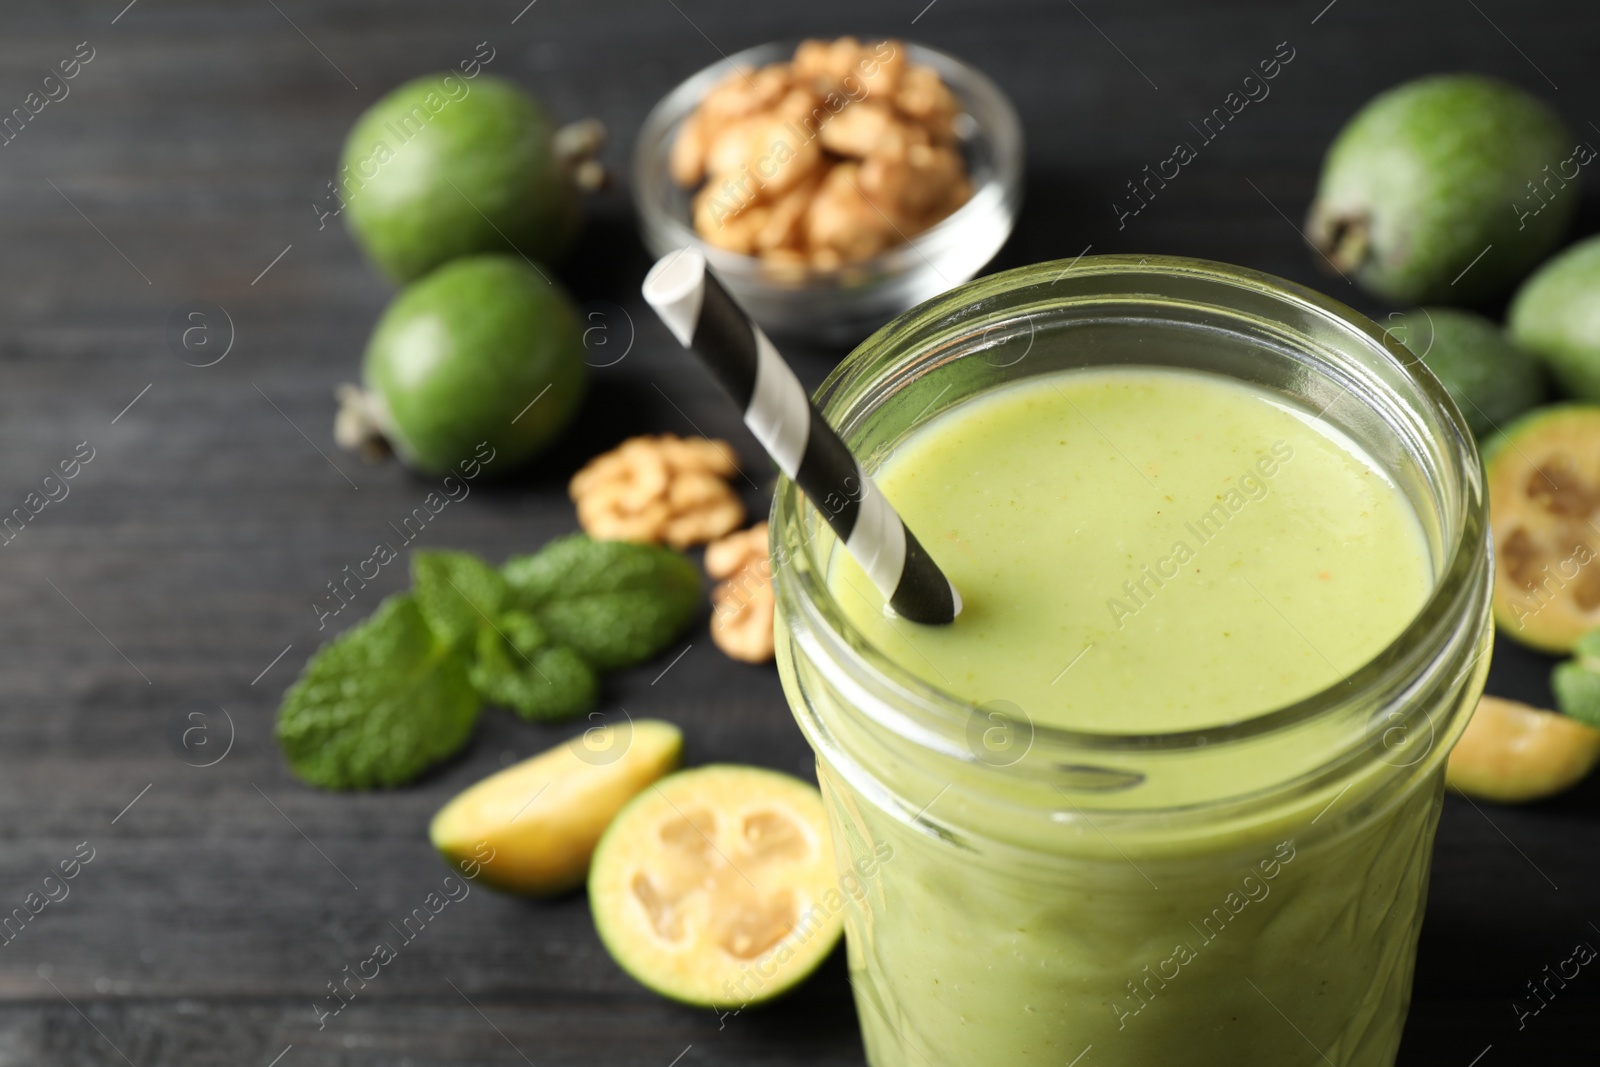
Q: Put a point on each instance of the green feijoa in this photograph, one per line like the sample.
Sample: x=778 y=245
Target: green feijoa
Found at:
x=1437 y=190
x=480 y=362
x=1556 y=316
x=1491 y=380
x=445 y=166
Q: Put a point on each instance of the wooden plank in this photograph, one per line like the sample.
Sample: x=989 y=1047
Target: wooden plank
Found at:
x=189 y=551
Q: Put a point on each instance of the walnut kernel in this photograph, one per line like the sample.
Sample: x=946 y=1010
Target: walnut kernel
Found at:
x=823 y=161
x=742 y=603
x=659 y=489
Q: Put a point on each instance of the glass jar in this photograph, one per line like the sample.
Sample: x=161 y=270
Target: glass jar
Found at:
x=1024 y=894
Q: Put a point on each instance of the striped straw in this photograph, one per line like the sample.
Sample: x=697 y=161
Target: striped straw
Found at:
x=701 y=315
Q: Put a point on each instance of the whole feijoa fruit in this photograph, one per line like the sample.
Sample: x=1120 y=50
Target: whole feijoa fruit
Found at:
x=481 y=358
x=445 y=166
x=1428 y=194
x=1556 y=316
x=1491 y=380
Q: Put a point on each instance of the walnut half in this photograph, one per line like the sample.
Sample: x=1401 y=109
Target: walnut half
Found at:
x=742 y=604
x=659 y=489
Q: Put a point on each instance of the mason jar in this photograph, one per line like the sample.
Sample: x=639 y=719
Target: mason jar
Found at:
x=1247 y=894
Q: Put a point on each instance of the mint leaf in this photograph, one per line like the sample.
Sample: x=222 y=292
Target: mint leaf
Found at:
x=378 y=705
x=523 y=631
x=517 y=666
x=457 y=594
x=614 y=602
x=1576 y=682
x=1587 y=648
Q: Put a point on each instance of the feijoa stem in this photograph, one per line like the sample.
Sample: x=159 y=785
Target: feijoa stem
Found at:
x=576 y=145
x=1343 y=237
x=356 y=428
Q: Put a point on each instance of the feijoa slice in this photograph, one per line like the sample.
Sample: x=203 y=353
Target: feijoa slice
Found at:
x=716 y=886
x=1544 y=510
x=532 y=827
x=1512 y=753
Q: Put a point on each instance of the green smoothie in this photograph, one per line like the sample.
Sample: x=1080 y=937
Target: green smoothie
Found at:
x=1141 y=551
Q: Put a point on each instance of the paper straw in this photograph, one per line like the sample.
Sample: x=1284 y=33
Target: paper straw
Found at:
x=701 y=315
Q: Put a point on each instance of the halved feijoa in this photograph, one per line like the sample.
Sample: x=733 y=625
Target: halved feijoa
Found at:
x=716 y=886
x=1544 y=509
x=1512 y=753
x=532 y=827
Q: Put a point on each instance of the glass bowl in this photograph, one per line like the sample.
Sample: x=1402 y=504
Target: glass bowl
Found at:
x=842 y=306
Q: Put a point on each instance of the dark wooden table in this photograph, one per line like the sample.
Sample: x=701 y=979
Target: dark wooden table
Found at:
x=177 y=577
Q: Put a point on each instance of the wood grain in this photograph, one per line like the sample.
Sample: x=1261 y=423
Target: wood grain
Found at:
x=187 y=156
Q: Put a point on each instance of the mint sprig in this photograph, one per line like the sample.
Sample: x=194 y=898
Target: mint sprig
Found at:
x=398 y=693
x=615 y=603
x=378 y=706
x=541 y=683
x=458 y=594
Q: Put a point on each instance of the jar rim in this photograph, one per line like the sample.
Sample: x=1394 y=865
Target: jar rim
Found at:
x=1400 y=663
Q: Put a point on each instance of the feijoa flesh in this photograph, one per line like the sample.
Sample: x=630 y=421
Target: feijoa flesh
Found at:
x=532 y=827
x=717 y=886
x=1544 y=511
x=1512 y=753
